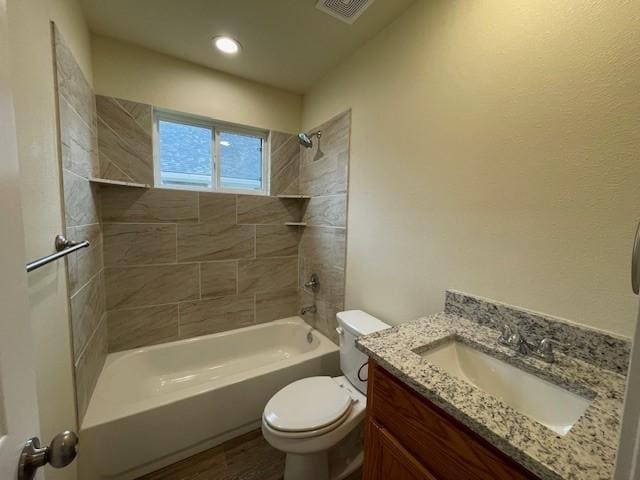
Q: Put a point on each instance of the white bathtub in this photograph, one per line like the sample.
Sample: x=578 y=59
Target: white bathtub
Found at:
x=155 y=405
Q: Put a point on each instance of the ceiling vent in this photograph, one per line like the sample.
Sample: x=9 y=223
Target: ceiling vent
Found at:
x=346 y=10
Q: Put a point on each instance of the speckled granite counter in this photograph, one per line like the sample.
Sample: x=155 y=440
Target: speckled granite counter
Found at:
x=586 y=452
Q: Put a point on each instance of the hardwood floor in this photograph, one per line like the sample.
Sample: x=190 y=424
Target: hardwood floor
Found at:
x=248 y=457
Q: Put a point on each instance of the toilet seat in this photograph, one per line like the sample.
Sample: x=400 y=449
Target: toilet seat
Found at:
x=308 y=407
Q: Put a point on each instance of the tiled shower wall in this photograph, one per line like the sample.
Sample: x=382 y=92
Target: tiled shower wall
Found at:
x=324 y=175
x=169 y=264
x=180 y=264
x=79 y=153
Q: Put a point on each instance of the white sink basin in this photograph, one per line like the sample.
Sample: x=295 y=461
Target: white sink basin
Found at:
x=540 y=400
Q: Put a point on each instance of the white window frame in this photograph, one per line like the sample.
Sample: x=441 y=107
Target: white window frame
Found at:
x=216 y=126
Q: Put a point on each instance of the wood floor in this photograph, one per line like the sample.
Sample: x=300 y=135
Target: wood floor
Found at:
x=248 y=457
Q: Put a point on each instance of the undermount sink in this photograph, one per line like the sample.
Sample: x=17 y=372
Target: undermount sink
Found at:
x=552 y=406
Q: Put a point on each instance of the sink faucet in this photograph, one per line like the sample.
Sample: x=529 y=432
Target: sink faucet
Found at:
x=511 y=336
x=308 y=309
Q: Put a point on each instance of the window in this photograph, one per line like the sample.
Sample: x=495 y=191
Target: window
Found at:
x=205 y=155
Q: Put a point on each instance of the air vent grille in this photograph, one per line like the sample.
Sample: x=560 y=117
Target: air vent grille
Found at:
x=346 y=10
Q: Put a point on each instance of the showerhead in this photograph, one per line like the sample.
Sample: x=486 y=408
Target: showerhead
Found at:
x=305 y=140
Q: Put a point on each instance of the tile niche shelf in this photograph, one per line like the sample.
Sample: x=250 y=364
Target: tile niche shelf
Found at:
x=295 y=197
x=106 y=181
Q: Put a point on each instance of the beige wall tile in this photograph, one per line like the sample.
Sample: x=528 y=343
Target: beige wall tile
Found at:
x=324 y=167
x=123 y=141
x=212 y=241
x=331 y=277
x=151 y=285
x=326 y=175
x=324 y=245
x=86 y=262
x=78 y=142
x=71 y=83
x=125 y=204
x=139 y=327
x=267 y=274
x=254 y=209
x=326 y=211
x=285 y=164
x=110 y=170
x=325 y=317
x=278 y=139
x=218 y=279
x=275 y=305
x=215 y=315
x=140 y=112
x=139 y=243
x=89 y=365
x=87 y=309
x=80 y=200
x=217 y=207
x=277 y=240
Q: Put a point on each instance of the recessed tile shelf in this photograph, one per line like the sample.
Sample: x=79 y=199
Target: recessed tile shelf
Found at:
x=301 y=197
x=106 y=181
x=295 y=224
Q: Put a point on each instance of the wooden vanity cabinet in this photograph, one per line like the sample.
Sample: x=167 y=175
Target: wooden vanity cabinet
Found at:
x=409 y=438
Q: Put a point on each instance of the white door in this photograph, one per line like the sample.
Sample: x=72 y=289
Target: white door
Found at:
x=18 y=408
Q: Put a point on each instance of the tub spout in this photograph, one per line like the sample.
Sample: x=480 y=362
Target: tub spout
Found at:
x=308 y=309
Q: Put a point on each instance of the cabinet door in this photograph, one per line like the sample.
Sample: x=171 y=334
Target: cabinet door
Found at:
x=386 y=459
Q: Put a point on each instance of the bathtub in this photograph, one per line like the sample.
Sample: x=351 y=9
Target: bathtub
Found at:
x=156 y=405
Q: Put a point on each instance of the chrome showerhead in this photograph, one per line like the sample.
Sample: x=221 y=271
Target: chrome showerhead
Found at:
x=305 y=140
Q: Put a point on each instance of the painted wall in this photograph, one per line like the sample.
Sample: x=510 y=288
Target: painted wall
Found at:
x=32 y=70
x=126 y=71
x=494 y=151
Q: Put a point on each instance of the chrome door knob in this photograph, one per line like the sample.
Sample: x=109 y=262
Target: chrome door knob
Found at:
x=60 y=453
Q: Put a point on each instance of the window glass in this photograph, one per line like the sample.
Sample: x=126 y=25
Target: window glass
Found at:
x=240 y=161
x=185 y=154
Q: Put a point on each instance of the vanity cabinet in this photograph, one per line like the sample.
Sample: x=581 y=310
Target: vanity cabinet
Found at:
x=409 y=438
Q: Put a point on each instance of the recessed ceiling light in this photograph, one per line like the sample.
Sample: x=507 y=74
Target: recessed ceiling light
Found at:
x=226 y=45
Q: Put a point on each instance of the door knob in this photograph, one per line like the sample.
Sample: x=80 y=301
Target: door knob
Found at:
x=60 y=453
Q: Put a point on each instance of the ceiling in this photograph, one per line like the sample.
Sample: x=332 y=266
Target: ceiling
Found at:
x=285 y=43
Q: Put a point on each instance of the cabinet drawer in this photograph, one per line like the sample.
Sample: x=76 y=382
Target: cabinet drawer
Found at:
x=443 y=445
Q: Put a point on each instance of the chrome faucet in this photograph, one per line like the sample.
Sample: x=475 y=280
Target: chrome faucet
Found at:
x=313 y=283
x=511 y=336
x=308 y=309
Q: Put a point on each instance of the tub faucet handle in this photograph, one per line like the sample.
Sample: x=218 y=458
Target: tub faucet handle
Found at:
x=313 y=283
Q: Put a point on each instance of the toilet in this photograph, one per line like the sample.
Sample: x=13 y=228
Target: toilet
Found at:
x=317 y=421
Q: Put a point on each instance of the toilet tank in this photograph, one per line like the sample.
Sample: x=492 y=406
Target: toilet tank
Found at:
x=353 y=363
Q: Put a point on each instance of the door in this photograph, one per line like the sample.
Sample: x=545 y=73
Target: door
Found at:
x=18 y=408
x=628 y=461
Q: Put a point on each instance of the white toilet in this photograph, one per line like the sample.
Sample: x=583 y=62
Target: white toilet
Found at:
x=317 y=421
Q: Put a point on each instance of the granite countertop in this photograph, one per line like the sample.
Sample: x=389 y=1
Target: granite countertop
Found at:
x=586 y=452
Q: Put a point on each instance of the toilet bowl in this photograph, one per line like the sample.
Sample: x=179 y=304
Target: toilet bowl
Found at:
x=317 y=421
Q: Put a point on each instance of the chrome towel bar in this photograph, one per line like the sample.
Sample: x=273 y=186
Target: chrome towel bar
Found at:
x=63 y=248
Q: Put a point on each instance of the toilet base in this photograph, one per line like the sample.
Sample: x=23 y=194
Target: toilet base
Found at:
x=313 y=466
x=316 y=466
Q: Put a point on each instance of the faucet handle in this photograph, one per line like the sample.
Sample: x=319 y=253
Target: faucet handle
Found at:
x=547 y=344
x=545 y=348
x=507 y=332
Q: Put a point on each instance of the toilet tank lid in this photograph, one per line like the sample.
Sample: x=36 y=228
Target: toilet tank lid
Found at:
x=359 y=323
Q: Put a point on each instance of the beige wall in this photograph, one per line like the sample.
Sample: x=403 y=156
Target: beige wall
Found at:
x=32 y=70
x=494 y=151
x=133 y=73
